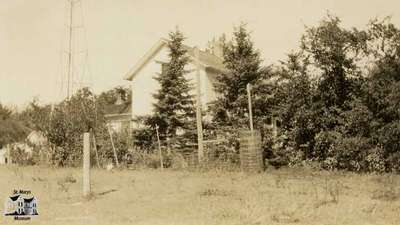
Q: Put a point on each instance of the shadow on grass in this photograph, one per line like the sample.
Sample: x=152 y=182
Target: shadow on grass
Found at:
x=106 y=192
x=94 y=195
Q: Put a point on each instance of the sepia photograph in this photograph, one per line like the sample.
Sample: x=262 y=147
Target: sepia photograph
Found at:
x=199 y=112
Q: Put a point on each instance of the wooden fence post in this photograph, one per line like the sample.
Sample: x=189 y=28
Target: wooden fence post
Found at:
x=248 y=87
x=159 y=149
x=86 y=164
x=95 y=148
x=200 y=150
x=112 y=144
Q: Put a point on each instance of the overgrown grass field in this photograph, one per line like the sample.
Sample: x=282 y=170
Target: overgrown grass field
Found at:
x=285 y=196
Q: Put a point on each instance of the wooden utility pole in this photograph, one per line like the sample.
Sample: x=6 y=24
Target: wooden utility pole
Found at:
x=200 y=149
x=86 y=164
x=159 y=149
x=248 y=87
x=112 y=144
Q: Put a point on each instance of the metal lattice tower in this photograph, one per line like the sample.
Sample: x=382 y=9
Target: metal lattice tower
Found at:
x=75 y=71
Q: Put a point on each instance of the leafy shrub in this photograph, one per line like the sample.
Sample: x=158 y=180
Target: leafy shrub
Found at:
x=69 y=120
x=144 y=137
x=20 y=156
x=375 y=160
x=151 y=159
x=393 y=162
x=357 y=121
x=389 y=138
x=350 y=153
x=276 y=152
x=121 y=144
x=229 y=150
x=11 y=131
x=323 y=143
x=226 y=148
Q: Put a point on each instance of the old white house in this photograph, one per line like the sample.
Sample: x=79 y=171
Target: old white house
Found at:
x=208 y=62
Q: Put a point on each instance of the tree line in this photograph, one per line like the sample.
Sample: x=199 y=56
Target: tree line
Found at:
x=336 y=98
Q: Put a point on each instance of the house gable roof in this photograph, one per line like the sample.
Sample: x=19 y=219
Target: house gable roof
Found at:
x=29 y=200
x=14 y=198
x=206 y=59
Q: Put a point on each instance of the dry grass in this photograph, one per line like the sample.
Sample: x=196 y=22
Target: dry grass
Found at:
x=181 y=197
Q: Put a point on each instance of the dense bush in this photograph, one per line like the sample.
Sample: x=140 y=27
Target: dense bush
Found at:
x=11 y=128
x=20 y=156
x=348 y=153
x=121 y=142
x=389 y=138
x=143 y=138
x=334 y=112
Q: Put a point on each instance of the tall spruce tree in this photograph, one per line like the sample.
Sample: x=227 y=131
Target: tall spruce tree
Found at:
x=174 y=108
x=242 y=62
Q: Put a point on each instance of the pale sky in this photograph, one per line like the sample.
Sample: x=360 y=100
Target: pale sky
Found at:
x=119 y=32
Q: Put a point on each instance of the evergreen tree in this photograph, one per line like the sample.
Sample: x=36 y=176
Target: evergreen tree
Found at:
x=174 y=109
x=242 y=62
